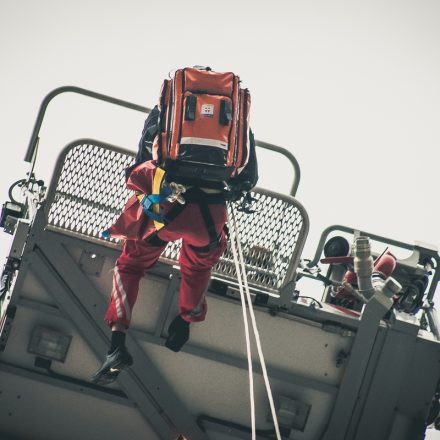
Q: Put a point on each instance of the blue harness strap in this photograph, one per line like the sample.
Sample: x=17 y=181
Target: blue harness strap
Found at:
x=147 y=202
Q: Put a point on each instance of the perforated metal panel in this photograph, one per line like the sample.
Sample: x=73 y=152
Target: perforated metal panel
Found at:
x=88 y=192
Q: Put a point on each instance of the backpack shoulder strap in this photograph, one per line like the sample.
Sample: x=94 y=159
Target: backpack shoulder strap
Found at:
x=149 y=132
x=204 y=200
x=248 y=178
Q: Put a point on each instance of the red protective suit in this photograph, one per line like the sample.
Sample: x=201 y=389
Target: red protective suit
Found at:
x=139 y=255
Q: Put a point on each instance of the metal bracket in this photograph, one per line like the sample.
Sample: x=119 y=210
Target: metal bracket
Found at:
x=292 y=414
x=6 y=325
x=287 y=293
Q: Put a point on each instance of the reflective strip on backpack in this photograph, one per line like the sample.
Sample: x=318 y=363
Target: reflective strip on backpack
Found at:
x=204 y=141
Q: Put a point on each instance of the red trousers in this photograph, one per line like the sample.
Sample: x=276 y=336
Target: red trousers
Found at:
x=195 y=266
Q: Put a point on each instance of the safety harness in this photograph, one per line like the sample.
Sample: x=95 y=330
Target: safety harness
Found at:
x=151 y=203
x=152 y=207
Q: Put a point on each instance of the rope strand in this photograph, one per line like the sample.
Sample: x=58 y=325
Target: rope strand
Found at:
x=234 y=237
x=242 y=278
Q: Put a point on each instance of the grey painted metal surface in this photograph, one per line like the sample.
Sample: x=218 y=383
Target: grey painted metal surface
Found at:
x=202 y=352
x=343 y=366
x=357 y=364
x=66 y=383
x=55 y=266
x=36 y=410
x=391 y=372
x=73 y=294
x=158 y=402
x=299 y=361
x=100 y=343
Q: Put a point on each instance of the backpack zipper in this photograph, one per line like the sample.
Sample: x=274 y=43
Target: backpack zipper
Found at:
x=245 y=127
x=161 y=120
x=170 y=116
x=237 y=133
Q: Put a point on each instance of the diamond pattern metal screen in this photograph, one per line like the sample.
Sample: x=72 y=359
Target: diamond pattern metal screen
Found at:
x=88 y=193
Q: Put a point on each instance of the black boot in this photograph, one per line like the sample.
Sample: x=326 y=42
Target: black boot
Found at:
x=118 y=358
x=114 y=363
x=178 y=334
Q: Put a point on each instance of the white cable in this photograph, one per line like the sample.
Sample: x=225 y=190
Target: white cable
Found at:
x=257 y=335
x=234 y=237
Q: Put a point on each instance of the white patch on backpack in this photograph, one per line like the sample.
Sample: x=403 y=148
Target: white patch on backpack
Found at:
x=207 y=110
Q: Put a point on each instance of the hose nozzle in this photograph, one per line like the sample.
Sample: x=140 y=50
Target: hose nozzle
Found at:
x=363 y=265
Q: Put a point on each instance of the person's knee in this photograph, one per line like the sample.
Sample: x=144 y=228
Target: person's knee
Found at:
x=201 y=261
x=129 y=270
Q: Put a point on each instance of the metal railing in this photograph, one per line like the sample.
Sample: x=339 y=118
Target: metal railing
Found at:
x=424 y=256
x=88 y=192
x=31 y=152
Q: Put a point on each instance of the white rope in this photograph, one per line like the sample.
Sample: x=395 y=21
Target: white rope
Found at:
x=234 y=237
x=241 y=275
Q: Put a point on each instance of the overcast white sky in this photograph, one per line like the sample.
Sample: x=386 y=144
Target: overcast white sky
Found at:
x=351 y=88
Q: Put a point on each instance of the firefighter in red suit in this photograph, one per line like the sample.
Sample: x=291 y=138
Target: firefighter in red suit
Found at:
x=199 y=222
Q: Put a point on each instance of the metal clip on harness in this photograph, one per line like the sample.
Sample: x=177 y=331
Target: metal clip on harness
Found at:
x=176 y=193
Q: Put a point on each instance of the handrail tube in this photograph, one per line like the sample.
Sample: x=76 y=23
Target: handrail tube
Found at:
x=410 y=247
x=32 y=143
x=341 y=228
x=433 y=322
x=289 y=156
x=31 y=149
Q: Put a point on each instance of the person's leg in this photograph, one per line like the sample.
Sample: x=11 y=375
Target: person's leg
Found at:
x=195 y=268
x=136 y=258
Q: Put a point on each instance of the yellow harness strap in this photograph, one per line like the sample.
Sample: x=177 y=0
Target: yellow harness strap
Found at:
x=157 y=184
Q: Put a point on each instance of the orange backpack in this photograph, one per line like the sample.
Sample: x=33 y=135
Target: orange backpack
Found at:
x=203 y=136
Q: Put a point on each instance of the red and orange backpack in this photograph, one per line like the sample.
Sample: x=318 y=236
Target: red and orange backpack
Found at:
x=203 y=129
